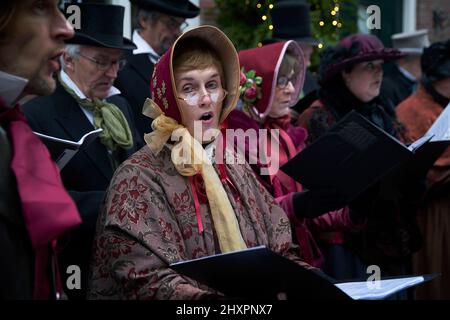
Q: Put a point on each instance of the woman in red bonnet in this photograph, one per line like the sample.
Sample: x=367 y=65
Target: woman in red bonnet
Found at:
x=272 y=79
x=163 y=207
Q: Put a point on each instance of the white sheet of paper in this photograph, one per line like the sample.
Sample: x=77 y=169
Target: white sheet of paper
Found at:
x=88 y=137
x=70 y=147
x=369 y=290
x=419 y=142
x=440 y=130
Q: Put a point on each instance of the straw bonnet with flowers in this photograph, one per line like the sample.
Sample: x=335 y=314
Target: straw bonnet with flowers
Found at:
x=165 y=109
x=163 y=207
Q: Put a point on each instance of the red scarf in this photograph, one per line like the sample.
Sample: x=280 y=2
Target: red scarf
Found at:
x=283 y=185
x=286 y=151
x=198 y=185
x=47 y=208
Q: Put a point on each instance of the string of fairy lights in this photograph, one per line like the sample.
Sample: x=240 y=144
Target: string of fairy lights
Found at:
x=322 y=6
x=264 y=10
x=334 y=18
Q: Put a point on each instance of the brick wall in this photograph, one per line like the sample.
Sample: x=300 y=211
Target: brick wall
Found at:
x=434 y=15
x=208 y=11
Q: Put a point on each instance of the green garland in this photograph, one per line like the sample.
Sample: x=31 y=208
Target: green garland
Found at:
x=242 y=21
x=325 y=29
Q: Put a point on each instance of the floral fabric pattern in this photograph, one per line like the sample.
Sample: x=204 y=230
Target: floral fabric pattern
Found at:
x=128 y=201
x=149 y=221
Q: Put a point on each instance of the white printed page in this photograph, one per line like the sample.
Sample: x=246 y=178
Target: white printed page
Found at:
x=440 y=130
x=88 y=137
x=377 y=290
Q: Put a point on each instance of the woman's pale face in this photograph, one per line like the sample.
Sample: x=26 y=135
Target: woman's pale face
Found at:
x=200 y=94
x=284 y=96
x=364 y=80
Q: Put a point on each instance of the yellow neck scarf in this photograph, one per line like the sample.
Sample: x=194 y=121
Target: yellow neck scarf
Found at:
x=190 y=158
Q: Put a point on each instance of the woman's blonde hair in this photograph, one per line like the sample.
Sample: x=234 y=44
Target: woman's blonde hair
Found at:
x=196 y=54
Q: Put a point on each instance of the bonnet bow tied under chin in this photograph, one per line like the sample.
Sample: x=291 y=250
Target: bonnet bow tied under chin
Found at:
x=190 y=158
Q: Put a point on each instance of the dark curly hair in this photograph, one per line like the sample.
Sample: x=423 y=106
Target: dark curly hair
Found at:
x=435 y=62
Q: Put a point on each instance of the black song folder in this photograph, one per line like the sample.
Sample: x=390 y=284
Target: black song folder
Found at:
x=349 y=158
x=259 y=272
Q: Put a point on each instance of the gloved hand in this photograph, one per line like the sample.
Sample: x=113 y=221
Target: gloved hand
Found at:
x=362 y=205
x=313 y=203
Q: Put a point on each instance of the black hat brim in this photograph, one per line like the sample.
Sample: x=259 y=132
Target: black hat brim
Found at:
x=84 y=39
x=191 y=12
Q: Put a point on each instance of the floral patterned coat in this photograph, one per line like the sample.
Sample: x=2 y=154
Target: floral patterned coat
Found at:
x=149 y=221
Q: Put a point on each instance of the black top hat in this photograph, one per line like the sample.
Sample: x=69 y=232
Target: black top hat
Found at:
x=435 y=62
x=177 y=8
x=101 y=25
x=291 y=21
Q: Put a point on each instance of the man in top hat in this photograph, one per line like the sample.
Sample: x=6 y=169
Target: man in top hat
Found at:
x=35 y=209
x=291 y=21
x=85 y=99
x=402 y=80
x=158 y=23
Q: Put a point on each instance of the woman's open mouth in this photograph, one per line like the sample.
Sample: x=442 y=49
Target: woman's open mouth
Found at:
x=207 y=117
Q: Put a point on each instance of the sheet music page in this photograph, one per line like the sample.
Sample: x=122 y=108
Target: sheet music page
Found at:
x=372 y=290
x=66 y=149
x=440 y=130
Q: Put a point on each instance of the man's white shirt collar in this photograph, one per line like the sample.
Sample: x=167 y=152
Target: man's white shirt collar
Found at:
x=407 y=74
x=69 y=83
x=143 y=46
x=11 y=87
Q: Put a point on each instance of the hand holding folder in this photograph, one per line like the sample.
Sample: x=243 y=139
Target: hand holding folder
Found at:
x=355 y=154
x=313 y=203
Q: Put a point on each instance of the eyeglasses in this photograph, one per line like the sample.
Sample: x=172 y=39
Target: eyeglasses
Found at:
x=215 y=94
x=173 y=25
x=105 y=65
x=283 y=81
